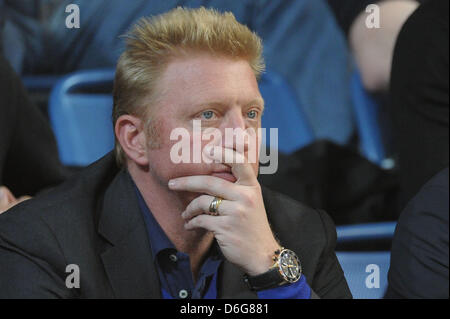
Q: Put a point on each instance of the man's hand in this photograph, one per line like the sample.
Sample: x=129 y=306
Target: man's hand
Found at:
x=242 y=229
x=7 y=199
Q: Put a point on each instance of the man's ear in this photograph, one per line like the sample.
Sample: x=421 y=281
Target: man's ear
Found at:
x=131 y=135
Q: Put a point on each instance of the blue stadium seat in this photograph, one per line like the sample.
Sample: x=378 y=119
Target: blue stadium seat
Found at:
x=81 y=120
x=283 y=111
x=366 y=114
x=347 y=234
x=356 y=263
x=366 y=272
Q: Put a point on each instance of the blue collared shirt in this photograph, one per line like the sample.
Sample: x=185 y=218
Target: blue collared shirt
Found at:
x=175 y=275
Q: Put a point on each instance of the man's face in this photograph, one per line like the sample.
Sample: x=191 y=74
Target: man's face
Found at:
x=217 y=91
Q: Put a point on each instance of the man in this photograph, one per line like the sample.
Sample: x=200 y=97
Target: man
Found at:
x=139 y=225
x=29 y=160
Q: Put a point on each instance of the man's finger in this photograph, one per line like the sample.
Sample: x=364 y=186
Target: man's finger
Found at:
x=6 y=197
x=201 y=204
x=210 y=223
x=206 y=184
x=22 y=199
x=198 y=206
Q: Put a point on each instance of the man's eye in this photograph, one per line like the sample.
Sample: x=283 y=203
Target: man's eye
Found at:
x=252 y=114
x=208 y=114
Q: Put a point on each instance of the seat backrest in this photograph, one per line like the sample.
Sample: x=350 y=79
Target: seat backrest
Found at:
x=365 y=237
x=365 y=232
x=284 y=112
x=81 y=116
x=365 y=272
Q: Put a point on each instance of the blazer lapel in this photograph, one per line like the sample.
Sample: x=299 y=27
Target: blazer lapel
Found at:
x=128 y=260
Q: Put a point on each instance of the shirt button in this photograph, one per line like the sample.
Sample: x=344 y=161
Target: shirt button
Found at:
x=183 y=294
x=173 y=257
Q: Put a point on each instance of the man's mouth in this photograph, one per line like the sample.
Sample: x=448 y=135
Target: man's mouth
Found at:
x=225 y=174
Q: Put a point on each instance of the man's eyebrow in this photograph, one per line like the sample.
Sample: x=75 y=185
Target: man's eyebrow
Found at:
x=210 y=104
x=258 y=101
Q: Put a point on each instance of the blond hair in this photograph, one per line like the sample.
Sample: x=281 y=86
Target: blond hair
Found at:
x=154 y=41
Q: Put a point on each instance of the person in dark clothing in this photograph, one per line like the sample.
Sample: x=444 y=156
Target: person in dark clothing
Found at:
x=420 y=106
x=419 y=255
x=419 y=96
x=29 y=160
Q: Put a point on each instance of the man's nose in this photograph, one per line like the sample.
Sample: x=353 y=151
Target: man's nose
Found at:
x=235 y=134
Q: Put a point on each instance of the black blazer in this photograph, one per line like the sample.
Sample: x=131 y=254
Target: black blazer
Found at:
x=93 y=220
x=29 y=160
x=419 y=253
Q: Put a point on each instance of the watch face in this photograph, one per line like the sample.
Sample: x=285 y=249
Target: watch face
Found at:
x=289 y=265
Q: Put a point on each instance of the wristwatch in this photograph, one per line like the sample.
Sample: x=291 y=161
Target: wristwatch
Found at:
x=286 y=269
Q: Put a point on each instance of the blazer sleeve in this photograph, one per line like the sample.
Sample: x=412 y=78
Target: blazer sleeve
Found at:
x=329 y=281
x=27 y=277
x=31 y=262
